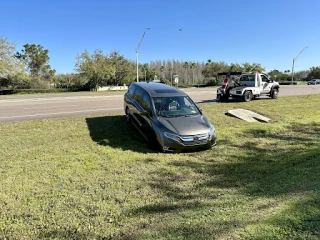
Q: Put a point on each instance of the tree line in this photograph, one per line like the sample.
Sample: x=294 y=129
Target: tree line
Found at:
x=29 y=68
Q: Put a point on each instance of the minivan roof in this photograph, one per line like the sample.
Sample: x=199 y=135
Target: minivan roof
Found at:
x=160 y=89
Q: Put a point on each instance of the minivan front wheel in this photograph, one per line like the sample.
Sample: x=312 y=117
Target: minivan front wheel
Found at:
x=128 y=117
x=153 y=142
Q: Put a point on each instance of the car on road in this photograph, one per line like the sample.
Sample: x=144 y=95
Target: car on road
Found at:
x=168 y=118
x=314 y=82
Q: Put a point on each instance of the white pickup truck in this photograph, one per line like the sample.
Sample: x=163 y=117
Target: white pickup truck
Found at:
x=247 y=87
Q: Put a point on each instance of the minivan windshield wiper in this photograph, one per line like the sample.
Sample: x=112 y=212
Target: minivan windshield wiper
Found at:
x=186 y=115
x=166 y=116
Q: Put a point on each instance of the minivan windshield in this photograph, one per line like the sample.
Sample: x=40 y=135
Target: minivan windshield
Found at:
x=181 y=106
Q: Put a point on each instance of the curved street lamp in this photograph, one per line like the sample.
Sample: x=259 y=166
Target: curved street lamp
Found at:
x=293 y=63
x=137 y=49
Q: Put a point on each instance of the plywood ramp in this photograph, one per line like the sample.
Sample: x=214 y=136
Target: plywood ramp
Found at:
x=247 y=115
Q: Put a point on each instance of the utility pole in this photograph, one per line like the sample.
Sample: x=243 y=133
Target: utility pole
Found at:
x=137 y=49
x=293 y=63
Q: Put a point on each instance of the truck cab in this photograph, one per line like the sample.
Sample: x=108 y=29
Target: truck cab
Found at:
x=247 y=87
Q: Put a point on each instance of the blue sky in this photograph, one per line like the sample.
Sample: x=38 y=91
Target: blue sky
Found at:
x=269 y=32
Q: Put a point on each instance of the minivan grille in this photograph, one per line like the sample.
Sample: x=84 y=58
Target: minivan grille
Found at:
x=195 y=139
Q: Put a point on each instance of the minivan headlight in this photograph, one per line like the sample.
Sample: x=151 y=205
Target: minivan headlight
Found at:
x=172 y=136
x=211 y=131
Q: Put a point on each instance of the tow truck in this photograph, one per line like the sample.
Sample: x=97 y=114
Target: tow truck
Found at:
x=246 y=86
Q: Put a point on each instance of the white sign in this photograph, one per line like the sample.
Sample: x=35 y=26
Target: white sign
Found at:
x=176 y=78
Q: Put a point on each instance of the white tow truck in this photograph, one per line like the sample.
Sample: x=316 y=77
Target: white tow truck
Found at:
x=247 y=86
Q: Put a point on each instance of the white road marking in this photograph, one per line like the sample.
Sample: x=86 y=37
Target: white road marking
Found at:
x=58 y=98
x=61 y=106
x=50 y=114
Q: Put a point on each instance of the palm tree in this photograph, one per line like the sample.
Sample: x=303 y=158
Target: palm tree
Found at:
x=193 y=66
x=162 y=68
x=145 y=69
x=185 y=66
x=171 y=70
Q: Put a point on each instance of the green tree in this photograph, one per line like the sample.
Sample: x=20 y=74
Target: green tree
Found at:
x=314 y=73
x=124 y=69
x=70 y=81
x=236 y=67
x=302 y=75
x=275 y=74
x=9 y=65
x=211 y=70
x=63 y=80
x=149 y=74
x=20 y=80
x=37 y=59
x=280 y=76
x=97 y=67
x=255 y=67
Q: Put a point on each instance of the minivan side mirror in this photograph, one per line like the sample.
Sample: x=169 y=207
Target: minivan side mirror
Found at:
x=144 y=113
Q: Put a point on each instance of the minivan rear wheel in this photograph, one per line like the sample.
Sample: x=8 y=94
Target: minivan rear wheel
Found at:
x=128 y=117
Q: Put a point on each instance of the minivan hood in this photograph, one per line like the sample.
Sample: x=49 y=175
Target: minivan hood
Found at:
x=191 y=125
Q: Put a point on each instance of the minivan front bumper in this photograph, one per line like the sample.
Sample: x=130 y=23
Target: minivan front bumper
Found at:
x=176 y=143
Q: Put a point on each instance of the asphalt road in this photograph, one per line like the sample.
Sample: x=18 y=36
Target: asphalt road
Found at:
x=21 y=108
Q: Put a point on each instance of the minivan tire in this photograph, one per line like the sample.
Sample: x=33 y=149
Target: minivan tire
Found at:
x=128 y=116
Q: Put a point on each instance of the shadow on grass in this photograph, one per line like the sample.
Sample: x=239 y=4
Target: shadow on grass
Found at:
x=207 y=101
x=265 y=170
x=115 y=132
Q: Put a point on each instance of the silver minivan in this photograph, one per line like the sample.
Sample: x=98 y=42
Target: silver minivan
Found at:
x=168 y=118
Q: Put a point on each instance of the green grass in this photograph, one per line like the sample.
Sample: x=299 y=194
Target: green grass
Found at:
x=93 y=177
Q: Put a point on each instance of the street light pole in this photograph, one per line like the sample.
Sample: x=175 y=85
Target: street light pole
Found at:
x=137 y=49
x=293 y=63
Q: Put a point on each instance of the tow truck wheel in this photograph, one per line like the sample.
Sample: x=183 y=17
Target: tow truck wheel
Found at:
x=247 y=96
x=224 y=98
x=274 y=93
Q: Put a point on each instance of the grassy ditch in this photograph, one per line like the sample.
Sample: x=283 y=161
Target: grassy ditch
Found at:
x=93 y=177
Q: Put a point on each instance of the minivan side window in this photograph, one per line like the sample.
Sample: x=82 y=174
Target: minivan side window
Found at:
x=146 y=102
x=131 y=90
x=138 y=95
